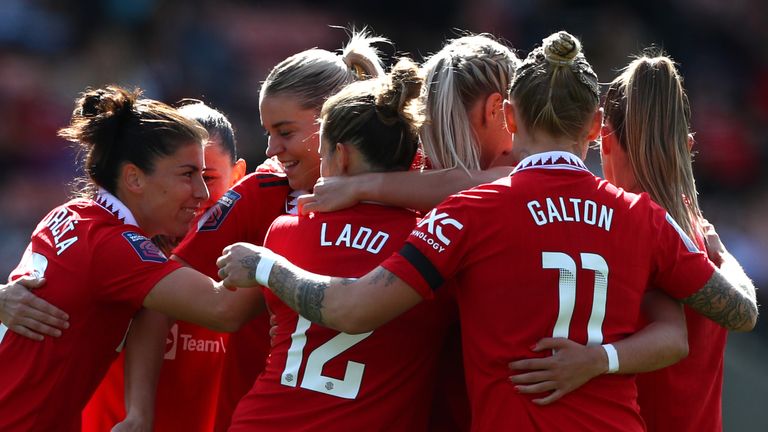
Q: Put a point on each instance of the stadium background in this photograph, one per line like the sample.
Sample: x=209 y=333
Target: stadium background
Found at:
x=220 y=52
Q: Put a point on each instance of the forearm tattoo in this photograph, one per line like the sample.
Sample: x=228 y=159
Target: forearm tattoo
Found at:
x=250 y=262
x=719 y=302
x=301 y=291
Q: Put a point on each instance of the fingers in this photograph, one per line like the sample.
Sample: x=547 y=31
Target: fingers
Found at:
x=306 y=204
x=531 y=377
x=222 y=273
x=551 y=344
x=37 y=329
x=537 y=388
x=48 y=313
x=27 y=333
x=555 y=395
x=30 y=282
x=532 y=364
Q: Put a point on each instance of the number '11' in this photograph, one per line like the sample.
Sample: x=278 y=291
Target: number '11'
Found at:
x=567 y=292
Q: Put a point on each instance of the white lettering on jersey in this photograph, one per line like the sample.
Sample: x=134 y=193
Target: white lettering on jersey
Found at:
x=435 y=222
x=363 y=239
x=61 y=223
x=571 y=210
x=188 y=343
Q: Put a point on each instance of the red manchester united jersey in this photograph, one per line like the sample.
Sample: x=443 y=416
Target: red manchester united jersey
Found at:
x=190 y=379
x=243 y=214
x=320 y=379
x=664 y=395
x=99 y=266
x=550 y=251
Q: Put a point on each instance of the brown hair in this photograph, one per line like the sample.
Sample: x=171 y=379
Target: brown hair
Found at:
x=555 y=88
x=649 y=111
x=113 y=126
x=381 y=118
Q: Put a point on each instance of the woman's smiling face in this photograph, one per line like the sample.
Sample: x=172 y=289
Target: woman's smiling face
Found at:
x=293 y=138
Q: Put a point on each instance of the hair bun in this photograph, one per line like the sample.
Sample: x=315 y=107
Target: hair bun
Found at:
x=561 y=48
x=108 y=101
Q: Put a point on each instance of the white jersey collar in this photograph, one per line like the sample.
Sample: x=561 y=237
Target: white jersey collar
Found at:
x=292 y=201
x=552 y=160
x=113 y=205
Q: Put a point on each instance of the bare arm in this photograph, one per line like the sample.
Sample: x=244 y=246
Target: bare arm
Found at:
x=190 y=296
x=728 y=298
x=664 y=341
x=27 y=314
x=410 y=189
x=347 y=305
x=145 y=347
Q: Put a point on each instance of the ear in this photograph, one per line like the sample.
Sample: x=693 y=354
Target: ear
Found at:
x=133 y=178
x=597 y=123
x=342 y=158
x=608 y=138
x=492 y=110
x=691 y=142
x=238 y=171
x=509 y=116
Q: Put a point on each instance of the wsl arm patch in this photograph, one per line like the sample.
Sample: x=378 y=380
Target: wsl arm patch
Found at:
x=144 y=247
x=215 y=215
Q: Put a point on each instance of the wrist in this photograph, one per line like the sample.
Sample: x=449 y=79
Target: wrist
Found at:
x=611 y=358
x=264 y=269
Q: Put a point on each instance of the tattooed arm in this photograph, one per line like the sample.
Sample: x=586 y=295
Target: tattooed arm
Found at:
x=347 y=305
x=728 y=297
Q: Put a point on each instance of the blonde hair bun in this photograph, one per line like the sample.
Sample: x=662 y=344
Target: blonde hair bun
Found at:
x=561 y=48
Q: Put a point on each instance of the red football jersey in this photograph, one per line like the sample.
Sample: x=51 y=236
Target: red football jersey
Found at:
x=320 y=379
x=186 y=390
x=243 y=214
x=664 y=395
x=550 y=251
x=99 y=267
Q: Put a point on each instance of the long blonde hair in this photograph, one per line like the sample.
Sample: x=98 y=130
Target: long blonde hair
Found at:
x=649 y=110
x=466 y=69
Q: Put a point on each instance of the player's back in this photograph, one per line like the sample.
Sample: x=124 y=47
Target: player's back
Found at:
x=551 y=252
x=381 y=380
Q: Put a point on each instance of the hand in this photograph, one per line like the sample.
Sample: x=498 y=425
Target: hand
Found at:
x=567 y=369
x=329 y=194
x=715 y=247
x=238 y=264
x=133 y=424
x=28 y=315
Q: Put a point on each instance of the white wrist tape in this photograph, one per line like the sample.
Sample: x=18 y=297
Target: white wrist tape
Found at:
x=263 y=269
x=613 y=358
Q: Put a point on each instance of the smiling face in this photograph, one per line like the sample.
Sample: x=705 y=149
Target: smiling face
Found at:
x=293 y=138
x=166 y=200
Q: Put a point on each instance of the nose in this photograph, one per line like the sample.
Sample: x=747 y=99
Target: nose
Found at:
x=199 y=188
x=274 y=147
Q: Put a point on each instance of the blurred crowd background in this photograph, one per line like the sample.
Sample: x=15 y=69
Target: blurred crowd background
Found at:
x=220 y=51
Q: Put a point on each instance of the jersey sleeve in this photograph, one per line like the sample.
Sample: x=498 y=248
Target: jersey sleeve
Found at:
x=681 y=268
x=435 y=249
x=242 y=214
x=126 y=265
